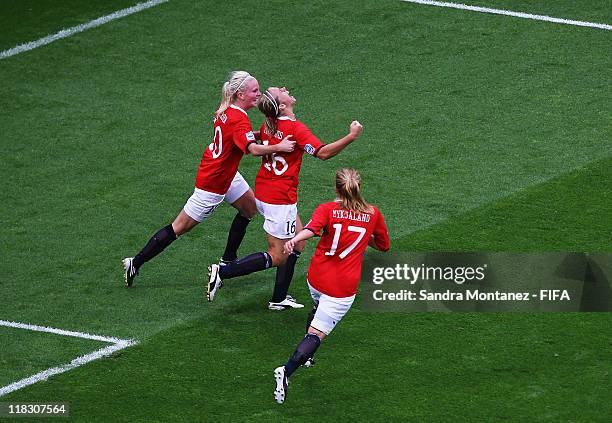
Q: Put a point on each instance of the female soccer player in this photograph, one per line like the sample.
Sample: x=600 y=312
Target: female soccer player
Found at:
x=218 y=178
x=276 y=194
x=346 y=226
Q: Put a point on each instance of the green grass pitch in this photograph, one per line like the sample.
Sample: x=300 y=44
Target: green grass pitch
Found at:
x=482 y=132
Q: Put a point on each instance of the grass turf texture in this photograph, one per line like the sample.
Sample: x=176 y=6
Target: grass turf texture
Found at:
x=541 y=218
x=102 y=133
x=515 y=367
x=23 y=21
x=26 y=352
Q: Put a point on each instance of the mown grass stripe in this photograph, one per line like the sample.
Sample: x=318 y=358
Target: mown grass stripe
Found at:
x=569 y=212
x=511 y=13
x=79 y=28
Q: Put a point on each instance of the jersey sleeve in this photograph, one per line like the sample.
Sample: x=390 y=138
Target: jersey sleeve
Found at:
x=381 y=234
x=306 y=139
x=320 y=218
x=243 y=134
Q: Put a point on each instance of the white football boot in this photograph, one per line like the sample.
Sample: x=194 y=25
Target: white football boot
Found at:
x=280 y=393
x=214 y=282
x=130 y=271
x=288 y=302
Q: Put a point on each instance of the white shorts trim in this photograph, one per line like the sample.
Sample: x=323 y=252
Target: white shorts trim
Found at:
x=202 y=204
x=330 y=310
x=280 y=220
x=237 y=188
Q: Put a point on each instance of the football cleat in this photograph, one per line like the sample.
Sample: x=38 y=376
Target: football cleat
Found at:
x=130 y=271
x=280 y=393
x=288 y=302
x=214 y=282
x=309 y=363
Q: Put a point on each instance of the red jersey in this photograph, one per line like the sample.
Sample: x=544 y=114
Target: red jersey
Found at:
x=277 y=180
x=335 y=268
x=219 y=164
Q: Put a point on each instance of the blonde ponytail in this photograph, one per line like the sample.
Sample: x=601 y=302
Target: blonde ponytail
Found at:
x=234 y=85
x=348 y=186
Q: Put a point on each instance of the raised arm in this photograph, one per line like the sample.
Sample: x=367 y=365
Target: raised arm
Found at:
x=330 y=150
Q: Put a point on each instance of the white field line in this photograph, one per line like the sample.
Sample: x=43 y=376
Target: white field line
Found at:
x=511 y=13
x=117 y=344
x=79 y=28
x=109 y=339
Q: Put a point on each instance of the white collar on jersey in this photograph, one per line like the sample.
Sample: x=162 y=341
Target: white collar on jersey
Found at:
x=233 y=106
x=286 y=118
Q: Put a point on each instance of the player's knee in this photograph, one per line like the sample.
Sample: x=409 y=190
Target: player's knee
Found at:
x=247 y=210
x=317 y=333
x=278 y=258
x=180 y=227
x=183 y=223
x=246 y=205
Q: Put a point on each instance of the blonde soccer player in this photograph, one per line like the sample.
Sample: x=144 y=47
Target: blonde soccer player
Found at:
x=347 y=226
x=217 y=178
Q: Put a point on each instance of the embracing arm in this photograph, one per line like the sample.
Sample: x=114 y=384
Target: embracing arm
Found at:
x=330 y=150
x=285 y=146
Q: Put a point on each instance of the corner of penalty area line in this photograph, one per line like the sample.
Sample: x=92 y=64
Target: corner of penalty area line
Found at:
x=116 y=345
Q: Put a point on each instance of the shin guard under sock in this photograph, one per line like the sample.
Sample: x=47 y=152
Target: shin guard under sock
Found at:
x=235 y=236
x=284 y=275
x=158 y=242
x=246 y=265
x=303 y=352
